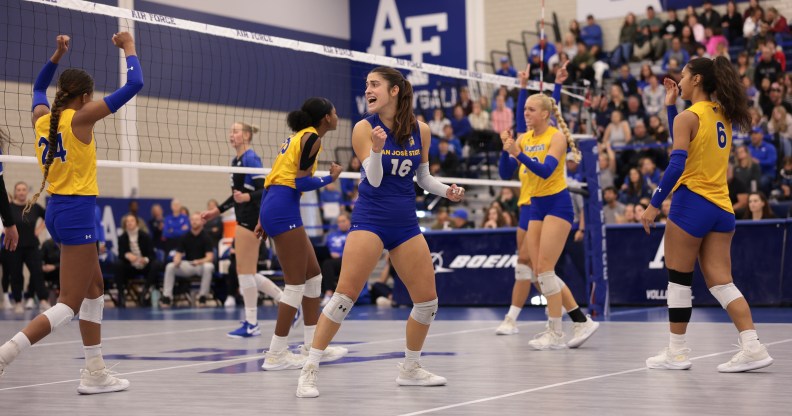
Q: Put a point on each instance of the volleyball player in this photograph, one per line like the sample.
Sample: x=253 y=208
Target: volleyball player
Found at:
x=66 y=151
x=550 y=215
x=292 y=174
x=701 y=221
x=393 y=147
x=247 y=190
x=583 y=326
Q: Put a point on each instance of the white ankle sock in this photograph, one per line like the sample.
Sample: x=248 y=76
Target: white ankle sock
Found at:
x=278 y=344
x=677 y=342
x=11 y=349
x=314 y=356
x=251 y=315
x=514 y=312
x=308 y=335
x=411 y=358
x=750 y=340
x=93 y=357
x=555 y=325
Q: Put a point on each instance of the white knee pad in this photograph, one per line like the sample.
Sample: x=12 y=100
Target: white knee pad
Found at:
x=247 y=281
x=725 y=294
x=91 y=310
x=424 y=312
x=549 y=283
x=292 y=295
x=522 y=273
x=313 y=287
x=338 y=308
x=59 y=315
x=679 y=296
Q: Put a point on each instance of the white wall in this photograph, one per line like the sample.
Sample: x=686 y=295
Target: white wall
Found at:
x=321 y=17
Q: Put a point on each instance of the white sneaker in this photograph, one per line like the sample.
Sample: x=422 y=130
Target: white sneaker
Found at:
x=331 y=353
x=284 y=360
x=670 y=360
x=383 y=302
x=418 y=377
x=548 y=340
x=100 y=381
x=306 y=384
x=507 y=327
x=325 y=301
x=230 y=302
x=747 y=360
x=30 y=303
x=582 y=332
x=7 y=305
x=19 y=308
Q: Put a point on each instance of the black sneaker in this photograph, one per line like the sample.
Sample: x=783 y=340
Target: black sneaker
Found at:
x=166 y=301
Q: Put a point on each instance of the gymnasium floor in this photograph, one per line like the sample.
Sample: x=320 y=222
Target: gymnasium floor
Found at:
x=181 y=362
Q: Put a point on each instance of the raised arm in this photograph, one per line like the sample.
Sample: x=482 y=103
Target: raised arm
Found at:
x=41 y=105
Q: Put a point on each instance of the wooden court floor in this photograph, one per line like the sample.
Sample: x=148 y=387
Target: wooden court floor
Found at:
x=189 y=367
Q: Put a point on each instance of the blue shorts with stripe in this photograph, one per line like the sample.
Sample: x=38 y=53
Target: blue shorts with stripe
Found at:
x=280 y=210
x=697 y=215
x=71 y=219
x=391 y=236
x=558 y=205
x=525 y=217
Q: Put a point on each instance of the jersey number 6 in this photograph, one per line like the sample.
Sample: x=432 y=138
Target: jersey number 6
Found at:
x=721 y=134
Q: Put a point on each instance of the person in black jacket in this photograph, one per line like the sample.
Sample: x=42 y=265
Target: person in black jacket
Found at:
x=135 y=257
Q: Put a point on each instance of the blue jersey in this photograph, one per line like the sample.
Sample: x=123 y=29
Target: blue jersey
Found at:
x=247 y=213
x=393 y=202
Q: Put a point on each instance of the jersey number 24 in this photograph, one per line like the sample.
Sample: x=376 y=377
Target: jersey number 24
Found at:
x=60 y=151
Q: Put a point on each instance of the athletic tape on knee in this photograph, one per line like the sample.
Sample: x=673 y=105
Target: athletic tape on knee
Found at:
x=522 y=272
x=338 y=308
x=59 y=315
x=679 y=296
x=725 y=294
x=246 y=281
x=313 y=287
x=424 y=312
x=548 y=281
x=292 y=295
x=91 y=310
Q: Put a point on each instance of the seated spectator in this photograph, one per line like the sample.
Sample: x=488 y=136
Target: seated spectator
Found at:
x=485 y=103
x=331 y=199
x=626 y=81
x=753 y=5
x=581 y=65
x=745 y=66
x=174 y=226
x=710 y=18
x=459 y=219
x=193 y=257
x=635 y=187
x=331 y=267
x=591 y=34
x=635 y=112
x=629 y=215
x=573 y=118
x=780 y=127
x=643 y=47
x=618 y=132
x=750 y=91
x=442 y=220
x=688 y=41
x=745 y=178
x=545 y=45
x=650 y=171
x=774 y=23
x=494 y=218
x=641 y=137
x=438 y=121
x=784 y=191
x=758 y=207
x=479 y=118
x=569 y=45
x=349 y=185
x=643 y=76
x=50 y=258
x=617 y=100
x=698 y=29
x=732 y=22
x=502 y=116
x=156 y=225
x=665 y=210
x=629 y=31
x=607 y=167
x=135 y=257
x=460 y=124
x=133 y=210
x=715 y=41
x=446 y=161
x=639 y=210
x=214 y=227
x=508 y=200
x=612 y=208
x=774 y=98
x=464 y=101
x=767 y=67
x=506 y=69
x=765 y=155
x=676 y=52
x=658 y=129
x=672 y=28
x=751 y=27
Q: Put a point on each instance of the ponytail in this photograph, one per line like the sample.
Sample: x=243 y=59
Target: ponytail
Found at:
x=311 y=114
x=720 y=79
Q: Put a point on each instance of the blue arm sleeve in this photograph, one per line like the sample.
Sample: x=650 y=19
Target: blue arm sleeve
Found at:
x=671 y=110
x=506 y=166
x=675 y=168
x=42 y=82
x=557 y=93
x=133 y=85
x=519 y=111
x=311 y=183
x=543 y=170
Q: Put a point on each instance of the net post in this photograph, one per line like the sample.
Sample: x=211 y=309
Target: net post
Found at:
x=594 y=238
x=127 y=116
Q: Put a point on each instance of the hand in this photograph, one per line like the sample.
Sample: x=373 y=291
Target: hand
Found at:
x=46 y=268
x=259 y=231
x=648 y=217
x=241 y=197
x=455 y=193
x=124 y=40
x=11 y=238
x=210 y=214
x=523 y=76
x=511 y=147
x=672 y=91
x=63 y=42
x=562 y=74
x=579 y=235
x=378 y=137
x=335 y=170
x=504 y=136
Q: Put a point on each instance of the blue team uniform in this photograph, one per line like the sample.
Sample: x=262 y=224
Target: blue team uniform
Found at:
x=247 y=213
x=389 y=210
